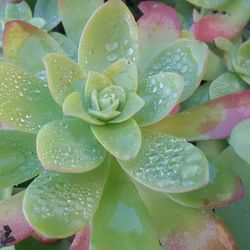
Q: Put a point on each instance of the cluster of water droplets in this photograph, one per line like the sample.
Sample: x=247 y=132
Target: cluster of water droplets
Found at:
x=178 y=60
x=64 y=149
x=166 y=162
x=66 y=198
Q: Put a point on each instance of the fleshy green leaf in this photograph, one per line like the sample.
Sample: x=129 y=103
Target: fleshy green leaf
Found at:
x=64 y=76
x=121 y=221
x=208 y=4
x=123 y=73
x=212 y=120
x=123 y=140
x=73 y=106
x=227 y=22
x=239 y=139
x=188 y=58
x=118 y=40
x=236 y=217
x=224 y=188
x=58 y=205
x=133 y=104
x=168 y=164
x=180 y=227
x=66 y=44
x=157 y=28
x=19 y=11
x=161 y=93
x=25 y=101
x=69 y=146
x=18 y=160
x=48 y=10
x=75 y=15
x=26 y=45
x=11 y=214
x=226 y=84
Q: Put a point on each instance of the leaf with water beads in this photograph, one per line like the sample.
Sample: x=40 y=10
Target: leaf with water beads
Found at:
x=212 y=120
x=187 y=58
x=226 y=84
x=18 y=159
x=48 y=10
x=239 y=139
x=168 y=164
x=69 y=146
x=25 y=101
x=26 y=45
x=121 y=221
x=180 y=227
x=157 y=28
x=75 y=16
x=160 y=93
x=64 y=76
x=223 y=189
x=118 y=39
x=123 y=140
x=58 y=205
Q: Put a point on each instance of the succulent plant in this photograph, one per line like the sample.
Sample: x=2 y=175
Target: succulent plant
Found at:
x=101 y=140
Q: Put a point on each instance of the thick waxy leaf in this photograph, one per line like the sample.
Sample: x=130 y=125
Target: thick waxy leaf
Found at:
x=123 y=140
x=241 y=61
x=146 y=6
x=18 y=160
x=25 y=101
x=212 y=120
x=208 y=4
x=75 y=14
x=123 y=73
x=180 y=227
x=239 y=139
x=69 y=146
x=118 y=39
x=188 y=58
x=73 y=106
x=48 y=10
x=168 y=164
x=160 y=93
x=58 y=205
x=157 y=28
x=224 y=188
x=26 y=45
x=66 y=44
x=237 y=217
x=226 y=84
x=19 y=11
x=5 y=193
x=81 y=240
x=228 y=21
x=11 y=215
x=121 y=221
x=64 y=76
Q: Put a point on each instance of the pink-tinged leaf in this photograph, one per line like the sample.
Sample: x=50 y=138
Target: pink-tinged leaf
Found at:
x=212 y=120
x=157 y=29
x=147 y=6
x=175 y=110
x=227 y=22
x=81 y=240
x=11 y=214
x=182 y=228
x=44 y=239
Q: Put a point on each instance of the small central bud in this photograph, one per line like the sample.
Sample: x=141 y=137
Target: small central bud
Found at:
x=107 y=103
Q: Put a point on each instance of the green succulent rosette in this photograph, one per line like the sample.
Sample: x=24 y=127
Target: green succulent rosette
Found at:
x=98 y=126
